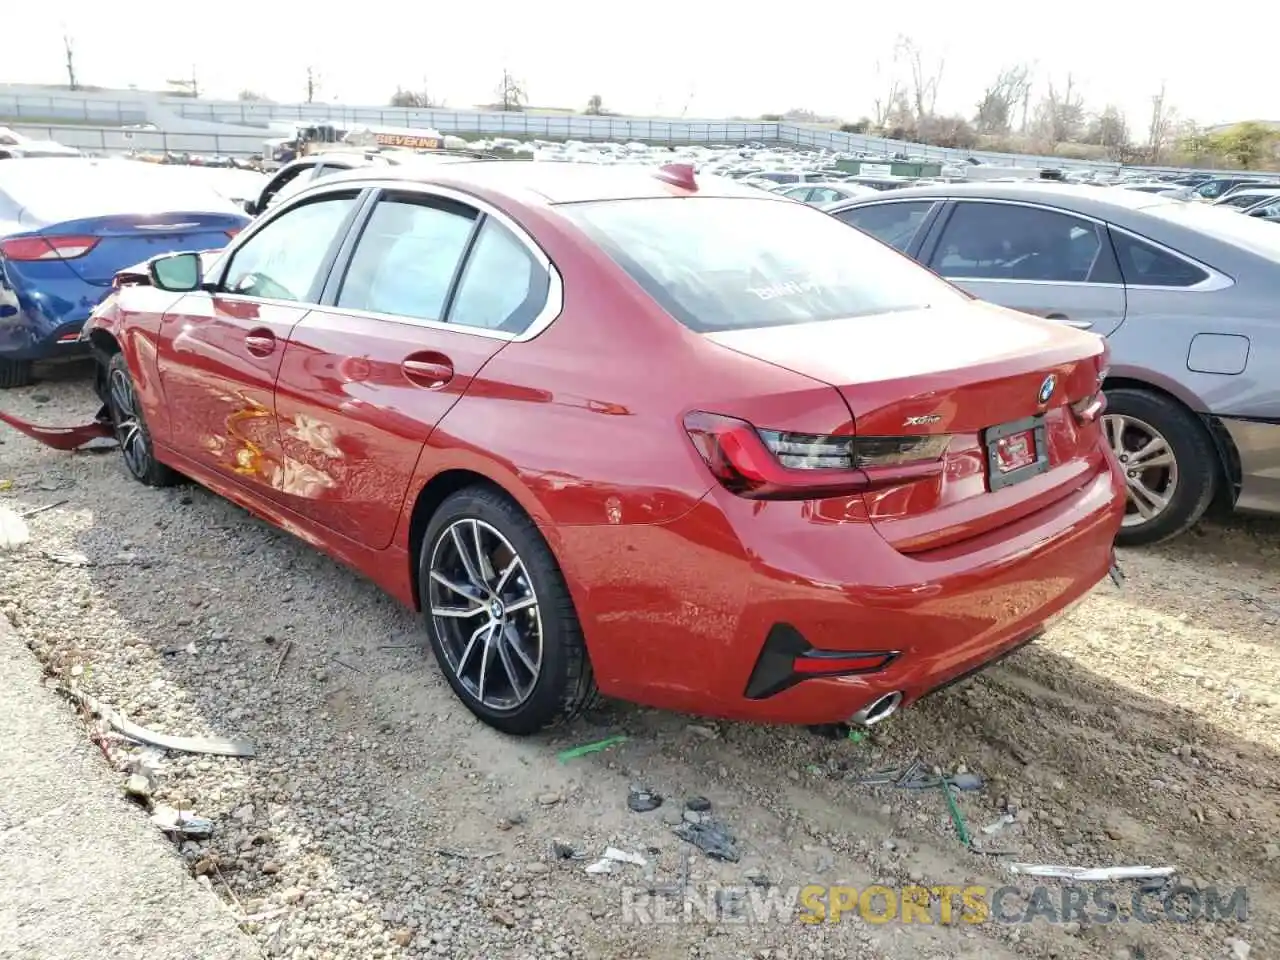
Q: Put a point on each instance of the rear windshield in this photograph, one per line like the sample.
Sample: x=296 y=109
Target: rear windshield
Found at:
x=1225 y=224
x=721 y=263
x=52 y=191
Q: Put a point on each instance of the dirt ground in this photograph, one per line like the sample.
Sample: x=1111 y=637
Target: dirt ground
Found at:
x=380 y=820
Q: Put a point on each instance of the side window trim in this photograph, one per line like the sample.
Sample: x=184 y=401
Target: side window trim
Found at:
x=485 y=211
x=319 y=285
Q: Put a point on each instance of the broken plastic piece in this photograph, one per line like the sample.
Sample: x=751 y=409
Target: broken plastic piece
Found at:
x=711 y=838
x=586 y=748
x=1092 y=874
x=184 y=825
x=62 y=438
x=998 y=825
x=13 y=530
x=613 y=855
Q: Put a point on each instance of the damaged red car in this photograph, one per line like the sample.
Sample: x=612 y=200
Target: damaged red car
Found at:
x=667 y=438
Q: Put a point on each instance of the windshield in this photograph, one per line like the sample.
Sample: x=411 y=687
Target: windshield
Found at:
x=720 y=263
x=52 y=191
x=1249 y=233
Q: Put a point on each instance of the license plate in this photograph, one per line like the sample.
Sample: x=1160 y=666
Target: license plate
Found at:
x=1016 y=451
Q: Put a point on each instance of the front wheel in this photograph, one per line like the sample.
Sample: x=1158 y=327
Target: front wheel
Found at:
x=131 y=427
x=502 y=623
x=1169 y=462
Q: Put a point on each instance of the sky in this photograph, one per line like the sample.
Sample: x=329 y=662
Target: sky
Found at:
x=705 y=59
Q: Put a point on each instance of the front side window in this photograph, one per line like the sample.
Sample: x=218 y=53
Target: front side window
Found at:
x=502 y=286
x=283 y=260
x=894 y=223
x=726 y=263
x=1002 y=241
x=406 y=258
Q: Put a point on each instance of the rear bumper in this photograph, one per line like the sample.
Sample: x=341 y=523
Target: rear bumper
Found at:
x=677 y=616
x=44 y=327
x=1257 y=443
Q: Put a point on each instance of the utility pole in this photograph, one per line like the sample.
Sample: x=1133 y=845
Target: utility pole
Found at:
x=313 y=84
x=71 y=61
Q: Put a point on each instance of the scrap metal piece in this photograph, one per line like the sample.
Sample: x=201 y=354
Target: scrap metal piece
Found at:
x=1092 y=874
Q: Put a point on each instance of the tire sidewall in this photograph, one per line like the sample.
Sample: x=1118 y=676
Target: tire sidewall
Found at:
x=1193 y=452
x=117 y=363
x=545 y=702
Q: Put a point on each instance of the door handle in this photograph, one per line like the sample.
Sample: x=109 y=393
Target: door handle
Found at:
x=260 y=343
x=430 y=370
x=1078 y=324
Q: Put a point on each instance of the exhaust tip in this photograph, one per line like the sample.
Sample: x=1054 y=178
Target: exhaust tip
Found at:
x=877 y=710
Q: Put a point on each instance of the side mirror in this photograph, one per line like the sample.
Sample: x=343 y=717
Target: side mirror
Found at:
x=176 y=272
x=251 y=208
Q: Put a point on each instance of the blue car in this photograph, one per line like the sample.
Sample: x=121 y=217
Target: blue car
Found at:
x=66 y=227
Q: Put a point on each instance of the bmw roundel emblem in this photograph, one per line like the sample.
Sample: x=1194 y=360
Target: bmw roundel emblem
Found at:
x=1047 y=388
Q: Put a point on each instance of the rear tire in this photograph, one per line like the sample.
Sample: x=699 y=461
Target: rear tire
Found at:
x=16 y=373
x=1172 y=485
x=132 y=434
x=510 y=646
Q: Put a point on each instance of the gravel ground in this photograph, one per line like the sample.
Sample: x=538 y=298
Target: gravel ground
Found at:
x=380 y=820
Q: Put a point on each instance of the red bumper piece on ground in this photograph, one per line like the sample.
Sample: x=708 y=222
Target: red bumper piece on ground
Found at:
x=61 y=438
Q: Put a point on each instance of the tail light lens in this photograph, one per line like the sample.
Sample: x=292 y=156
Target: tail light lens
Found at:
x=776 y=465
x=46 y=248
x=1090 y=408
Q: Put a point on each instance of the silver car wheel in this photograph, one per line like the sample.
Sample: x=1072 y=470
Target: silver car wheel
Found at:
x=485 y=613
x=1150 y=468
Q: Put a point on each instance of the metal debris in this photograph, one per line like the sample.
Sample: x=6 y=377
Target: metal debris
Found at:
x=1092 y=874
x=215 y=746
x=39 y=510
x=613 y=855
x=284 y=654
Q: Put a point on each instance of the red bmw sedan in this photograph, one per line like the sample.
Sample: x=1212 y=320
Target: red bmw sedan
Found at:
x=671 y=439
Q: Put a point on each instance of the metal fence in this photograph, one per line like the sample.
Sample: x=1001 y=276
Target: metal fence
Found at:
x=46 y=112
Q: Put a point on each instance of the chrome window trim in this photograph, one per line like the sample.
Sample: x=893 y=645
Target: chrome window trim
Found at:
x=550 y=311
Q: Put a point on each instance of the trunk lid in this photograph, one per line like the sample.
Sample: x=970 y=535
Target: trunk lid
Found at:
x=124 y=240
x=962 y=370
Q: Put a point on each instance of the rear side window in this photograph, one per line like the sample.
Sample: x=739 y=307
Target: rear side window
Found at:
x=894 y=223
x=1144 y=265
x=502 y=287
x=406 y=258
x=721 y=263
x=283 y=260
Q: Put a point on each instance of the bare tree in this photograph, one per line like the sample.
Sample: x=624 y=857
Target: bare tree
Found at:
x=1109 y=129
x=1001 y=99
x=1160 y=127
x=511 y=93
x=595 y=105
x=250 y=96
x=71 y=61
x=420 y=99
x=313 y=84
x=1061 y=113
x=889 y=89
x=926 y=77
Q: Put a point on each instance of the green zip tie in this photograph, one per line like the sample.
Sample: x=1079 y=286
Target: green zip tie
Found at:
x=857 y=736
x=957 y=817
x=574 y=752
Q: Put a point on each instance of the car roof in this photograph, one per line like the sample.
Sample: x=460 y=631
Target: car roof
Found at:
x=549 y=182
x=1082 y=199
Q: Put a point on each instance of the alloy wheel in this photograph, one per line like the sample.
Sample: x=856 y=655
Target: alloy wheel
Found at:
x=128 y=424
x=1150 y=468
x=485 y=613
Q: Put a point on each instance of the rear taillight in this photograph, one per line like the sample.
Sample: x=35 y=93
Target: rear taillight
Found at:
x=777 y=465
x=1090 y=408
x=46 y=248
x=232 y=232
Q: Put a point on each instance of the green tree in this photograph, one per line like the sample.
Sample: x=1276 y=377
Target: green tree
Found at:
x=1247 y=144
